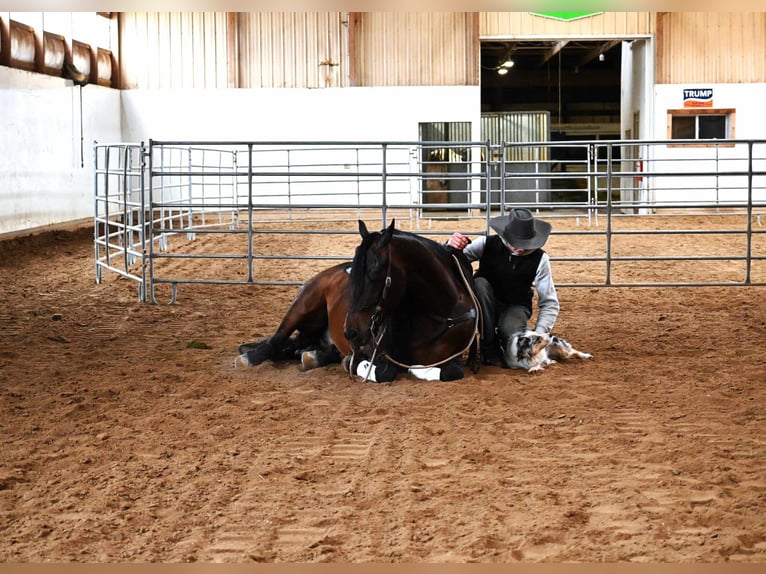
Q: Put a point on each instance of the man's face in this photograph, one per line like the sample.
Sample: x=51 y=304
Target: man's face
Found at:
x=512 y=249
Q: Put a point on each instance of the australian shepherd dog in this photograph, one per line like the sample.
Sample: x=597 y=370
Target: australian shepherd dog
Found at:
x=535 y=351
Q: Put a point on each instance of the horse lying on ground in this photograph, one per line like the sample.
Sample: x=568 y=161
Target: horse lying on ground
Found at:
x=412 y=302
x=535 y=351
x=413 y=294
x=312 y=329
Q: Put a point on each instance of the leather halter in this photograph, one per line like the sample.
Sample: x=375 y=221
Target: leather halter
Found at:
x=447 y=322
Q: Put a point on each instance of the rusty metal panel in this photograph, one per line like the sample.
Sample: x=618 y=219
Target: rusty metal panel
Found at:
x=715 y=47
x=416 y=49
x=293 y=49
x=526 y=24
x=173 y=50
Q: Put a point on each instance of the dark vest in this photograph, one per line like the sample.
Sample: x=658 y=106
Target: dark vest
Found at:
x=511 y=276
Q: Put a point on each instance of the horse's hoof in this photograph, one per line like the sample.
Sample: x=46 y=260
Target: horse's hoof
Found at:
x=451 y=373
x=385 y=371
x=241 y=359
x=308 y=361
x=245 y=347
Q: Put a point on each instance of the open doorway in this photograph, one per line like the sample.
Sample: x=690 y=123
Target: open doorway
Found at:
x=577 y=82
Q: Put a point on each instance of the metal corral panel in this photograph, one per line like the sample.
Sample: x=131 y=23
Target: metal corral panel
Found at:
x=173 y=50
x=416 y=49
x=526 y=24
x=715 y=47
x=518 y=127
x=293 y=49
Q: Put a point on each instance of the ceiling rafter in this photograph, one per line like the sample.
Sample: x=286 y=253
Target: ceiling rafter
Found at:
x=553 y=50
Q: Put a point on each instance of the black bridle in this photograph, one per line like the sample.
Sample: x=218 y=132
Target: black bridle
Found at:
x=378 y=321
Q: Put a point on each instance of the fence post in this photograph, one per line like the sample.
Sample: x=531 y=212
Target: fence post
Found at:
x=608 y=278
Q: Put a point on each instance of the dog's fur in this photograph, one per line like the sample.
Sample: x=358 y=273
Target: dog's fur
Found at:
x=535 y=351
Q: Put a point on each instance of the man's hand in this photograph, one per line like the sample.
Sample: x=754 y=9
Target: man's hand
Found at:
x=458 y=241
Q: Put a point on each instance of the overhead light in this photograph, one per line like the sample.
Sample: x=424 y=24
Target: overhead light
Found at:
x=508 y=63
x=601 y=57
x=502 y=71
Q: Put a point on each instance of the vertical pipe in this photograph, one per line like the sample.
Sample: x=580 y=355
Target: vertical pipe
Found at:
x=190 y=215
x=126 y=243
x=142 y=220
x=503 y=146
x=749 y=225
x=592 y=201
x=250 y=213
x=358 y=187
x=289 y=188
x=488 y=197
x=106 y=204
x=384 y=177
x=150 y=227
x=608 y=279
x=536 y=151
x=96 y=249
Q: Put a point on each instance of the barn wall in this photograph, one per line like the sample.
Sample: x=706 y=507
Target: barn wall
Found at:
x=174 y=50
x=44 y=179
x=747 y=101
x=416 y=49
x=236 y=50
x=314 y=50
x=293 y=49
x=716 y=47
x=525 y=24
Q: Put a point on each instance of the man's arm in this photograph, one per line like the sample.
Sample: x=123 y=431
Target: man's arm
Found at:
x=474 y=250
x=547 y=298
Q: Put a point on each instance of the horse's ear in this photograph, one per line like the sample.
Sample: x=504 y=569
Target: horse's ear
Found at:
x=363 y=229
x=388 y=234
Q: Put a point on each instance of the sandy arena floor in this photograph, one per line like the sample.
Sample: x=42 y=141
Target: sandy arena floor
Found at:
x=121 y=443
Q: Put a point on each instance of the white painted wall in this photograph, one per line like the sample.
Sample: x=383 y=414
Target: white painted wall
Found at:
x=747 y=100
x=44 y=178
x=43 y=183
x=388 y=114
x=366 y=114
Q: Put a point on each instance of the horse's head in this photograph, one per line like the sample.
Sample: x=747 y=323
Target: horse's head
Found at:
x=370 y=285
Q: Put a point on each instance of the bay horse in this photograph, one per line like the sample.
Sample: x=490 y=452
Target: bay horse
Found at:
x=412 y=303
x=314 y=329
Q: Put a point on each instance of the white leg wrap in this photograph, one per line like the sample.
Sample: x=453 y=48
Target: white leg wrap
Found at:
x=426 y=373
x=365 y=369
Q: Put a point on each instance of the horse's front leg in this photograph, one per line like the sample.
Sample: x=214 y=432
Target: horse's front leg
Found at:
x=315 y=358
x=450 y=371
x=382 y=371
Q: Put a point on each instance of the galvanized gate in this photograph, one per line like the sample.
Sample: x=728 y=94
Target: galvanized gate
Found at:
x=152 y=201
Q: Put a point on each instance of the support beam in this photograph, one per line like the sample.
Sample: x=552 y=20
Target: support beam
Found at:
x=553 y=51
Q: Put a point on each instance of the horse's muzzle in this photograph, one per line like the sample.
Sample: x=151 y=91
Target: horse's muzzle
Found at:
x=352 y=336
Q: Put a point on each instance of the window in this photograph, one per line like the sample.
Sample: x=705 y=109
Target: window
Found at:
x=709 y=124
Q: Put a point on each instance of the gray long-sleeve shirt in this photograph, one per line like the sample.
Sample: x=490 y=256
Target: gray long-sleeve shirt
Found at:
x=547 y=298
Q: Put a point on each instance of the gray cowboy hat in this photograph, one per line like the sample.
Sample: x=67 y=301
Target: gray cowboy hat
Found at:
x=521 y=229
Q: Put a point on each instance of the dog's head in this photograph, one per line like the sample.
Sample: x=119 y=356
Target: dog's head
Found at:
x=526 y=348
